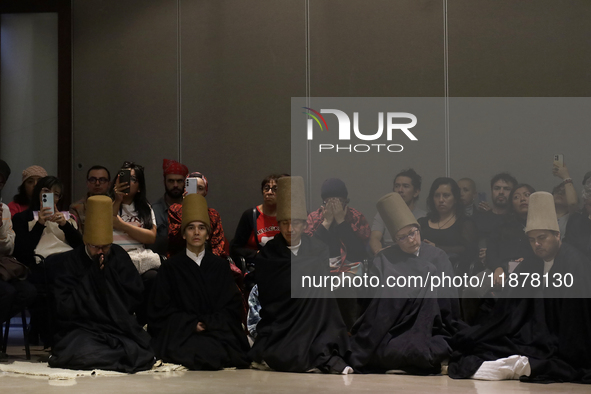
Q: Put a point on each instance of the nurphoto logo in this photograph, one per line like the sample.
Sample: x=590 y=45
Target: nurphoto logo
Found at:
x=344 y=133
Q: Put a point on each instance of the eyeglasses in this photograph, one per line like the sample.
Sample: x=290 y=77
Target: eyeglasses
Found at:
x=56 y=195
x=408 y=236
x=269 y=188
x=100 y=247
x=101 y=180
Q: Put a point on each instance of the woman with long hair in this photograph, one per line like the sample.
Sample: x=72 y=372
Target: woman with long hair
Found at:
x=447 y=227
x=134 y=226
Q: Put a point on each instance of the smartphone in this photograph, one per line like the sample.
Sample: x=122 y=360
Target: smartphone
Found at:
x=125 y=176
x=47 y=201
x=559 y=158
x=482 y=196
x=191 y=185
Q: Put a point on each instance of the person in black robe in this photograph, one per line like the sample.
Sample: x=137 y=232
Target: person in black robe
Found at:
x=549 y=325
x=305 y=332
x=406 y=328
x=195 y=310
x=97 y=289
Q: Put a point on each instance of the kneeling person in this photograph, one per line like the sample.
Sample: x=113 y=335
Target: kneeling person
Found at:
x=296 y=334
x=196 y=308
x=97 y=290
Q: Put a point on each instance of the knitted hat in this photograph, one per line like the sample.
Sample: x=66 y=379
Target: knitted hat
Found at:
x=4 y=170
x=194 y=209
x=171 y=167
x=541 y=213
x=98 y=225
x=395 y=213
x=333 y=187
x=200 y=175
x=291 y=199
x=34 y=171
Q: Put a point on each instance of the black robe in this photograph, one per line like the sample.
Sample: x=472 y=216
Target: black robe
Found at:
x=297 y=334
x=552 y=332
x=94 y=306
x=407 y=328
x=185 y=294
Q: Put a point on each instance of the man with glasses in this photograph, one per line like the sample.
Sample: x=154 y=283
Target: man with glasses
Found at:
x=98 y=180
x=96 y=292
x=406 y=326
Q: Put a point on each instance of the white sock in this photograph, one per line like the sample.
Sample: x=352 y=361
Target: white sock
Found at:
x=509 y=368
x=347 y=370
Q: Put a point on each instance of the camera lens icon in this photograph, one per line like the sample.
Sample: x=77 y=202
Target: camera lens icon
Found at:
x=44 y=200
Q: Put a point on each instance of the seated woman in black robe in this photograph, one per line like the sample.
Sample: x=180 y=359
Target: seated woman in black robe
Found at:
x=97 y=289
x=406 y=327
x=540 y=333
x=195 y=310
x=296 y=334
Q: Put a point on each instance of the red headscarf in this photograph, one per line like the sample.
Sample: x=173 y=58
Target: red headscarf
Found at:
x=171 y=167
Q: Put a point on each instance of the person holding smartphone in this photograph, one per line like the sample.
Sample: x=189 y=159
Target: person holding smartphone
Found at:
x=43 y=230
x=134 y=224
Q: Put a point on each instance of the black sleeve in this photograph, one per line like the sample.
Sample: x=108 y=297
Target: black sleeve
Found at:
x=26 y=241
x=243 y=232
x=73 y=236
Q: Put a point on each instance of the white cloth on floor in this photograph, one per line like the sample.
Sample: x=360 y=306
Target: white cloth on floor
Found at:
x=510 y=368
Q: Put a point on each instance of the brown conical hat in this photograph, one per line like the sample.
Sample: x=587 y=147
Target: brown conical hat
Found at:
x=98 y=225
x=395 y=213
x=541 y=213
x=194 y=209
x=291 y=199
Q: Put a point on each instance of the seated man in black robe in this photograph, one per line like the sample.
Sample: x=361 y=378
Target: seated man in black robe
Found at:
x=406 y=327
x=97 y=289
x=296 y=334
x=196 y=309
x=541 y=332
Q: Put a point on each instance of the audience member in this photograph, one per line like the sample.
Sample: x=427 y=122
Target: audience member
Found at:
x=21 y=201
x=97 y=183
x=257 y=225
x=447 y=227
x=41 y=232
x=467 y=194
x=296 y=334
x=97 y=291
x=134 y=227
x=346 y=232
x=174 y=185
x=408 y=184
x=196 y=309
x=565 y=197
x=578 y=230
x=15 y=292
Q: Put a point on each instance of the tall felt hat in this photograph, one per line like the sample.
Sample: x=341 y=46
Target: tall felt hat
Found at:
x=541 y=213
x=395 y=213
x=291 y=199
x=194 y=209
x=98 y=225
